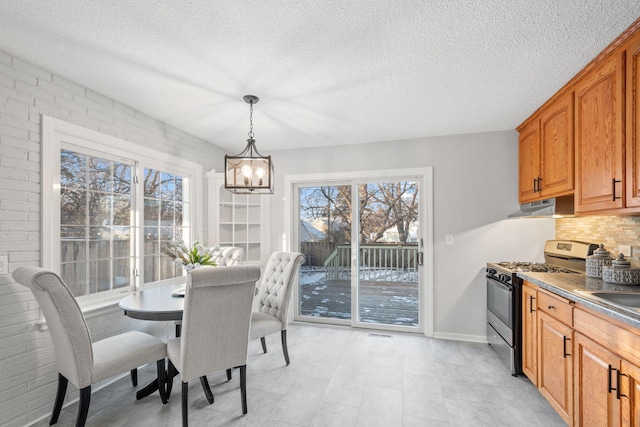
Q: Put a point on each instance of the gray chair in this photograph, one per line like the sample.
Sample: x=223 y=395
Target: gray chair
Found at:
x=228 y=255
x=273 y=298
x=225 y=256
x=78 y=359
x=215 y=328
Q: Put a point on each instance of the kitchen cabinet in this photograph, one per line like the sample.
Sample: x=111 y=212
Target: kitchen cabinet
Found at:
x=630 y=394
x=555 y=367
x=596 y=384
x=546 y=152
x=547 y=340
x=633 y=122
x=600 y=137
x=529 y=332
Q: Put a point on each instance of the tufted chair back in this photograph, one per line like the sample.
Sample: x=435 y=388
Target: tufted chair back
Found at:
x=277 y=282
x=228 y=255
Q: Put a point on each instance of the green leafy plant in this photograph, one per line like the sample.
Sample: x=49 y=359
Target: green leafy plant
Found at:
x=190 y=257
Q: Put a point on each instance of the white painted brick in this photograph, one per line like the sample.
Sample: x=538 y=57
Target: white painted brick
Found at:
x=59 y=92
x=33 y=91
x=87 y=102
x=7 y=81
x=19 y=206
x=57 y=110
x=69 y=106
x=100 y=116
x=11 y=120
x=28 y=68
x=25 y=256
x=13 y=131
x=5 y=58
x=70 y=86
x=15 y=74
x=100 y=99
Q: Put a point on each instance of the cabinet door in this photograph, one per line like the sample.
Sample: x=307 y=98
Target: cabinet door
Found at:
x=556 y=148
x=595 y=384
x=633 y=123
x=529 y=161
x=630 y=395
x=555 y=367
x=529 y=333
x=599 y=137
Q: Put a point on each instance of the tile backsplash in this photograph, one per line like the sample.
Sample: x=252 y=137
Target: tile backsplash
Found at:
x=611 y=231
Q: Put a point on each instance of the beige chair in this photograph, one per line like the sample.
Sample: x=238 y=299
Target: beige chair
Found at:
x=225 y=256
x=78 y=359
x=215 y=328
x=273 y=298
x=228 y=255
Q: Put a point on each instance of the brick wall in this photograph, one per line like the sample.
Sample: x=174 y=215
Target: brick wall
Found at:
x=27 y=360
x=611 y=231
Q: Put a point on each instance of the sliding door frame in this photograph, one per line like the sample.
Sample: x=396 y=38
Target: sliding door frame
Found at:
x=424 y=176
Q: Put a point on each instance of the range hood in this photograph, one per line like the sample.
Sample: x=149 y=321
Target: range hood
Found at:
x=557 y=207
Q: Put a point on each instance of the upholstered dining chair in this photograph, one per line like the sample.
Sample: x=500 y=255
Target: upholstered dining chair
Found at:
x=78 y=359
x=225 y=256
x=274 y=295
x=215 y=328
x=228 y=255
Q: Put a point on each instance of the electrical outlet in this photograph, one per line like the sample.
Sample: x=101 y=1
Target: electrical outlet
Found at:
x=448 y=239
x=625 y=250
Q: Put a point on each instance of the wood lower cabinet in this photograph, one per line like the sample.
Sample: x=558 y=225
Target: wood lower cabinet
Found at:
x=630 y=394
x=596 y=384
x=530 y=332
x=555 y=364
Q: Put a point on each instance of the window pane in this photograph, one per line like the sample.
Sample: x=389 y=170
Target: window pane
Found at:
x=96 y=256
x=73 y=169
x=151 y=212
x=167 y=186
x=167 y=210
x=151 y=183
x=73 y=207
x=178 y=195
x=151 y=268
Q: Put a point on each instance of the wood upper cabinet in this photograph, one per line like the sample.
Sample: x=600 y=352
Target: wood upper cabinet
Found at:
x=555 y=364
x=529 y=161
x=546 y=156
x=600 y=109
x=529 y=332
x=633 y=122
x=596 y=382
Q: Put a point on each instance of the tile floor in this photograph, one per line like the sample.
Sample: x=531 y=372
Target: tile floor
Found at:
x=342 y=377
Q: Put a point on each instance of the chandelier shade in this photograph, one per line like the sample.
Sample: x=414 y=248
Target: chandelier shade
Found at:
x=249 y=172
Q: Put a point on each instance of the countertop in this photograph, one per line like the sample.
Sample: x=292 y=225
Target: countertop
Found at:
x=566 y=284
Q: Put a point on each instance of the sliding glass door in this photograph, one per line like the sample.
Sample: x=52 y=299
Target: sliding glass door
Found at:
x=363 y=252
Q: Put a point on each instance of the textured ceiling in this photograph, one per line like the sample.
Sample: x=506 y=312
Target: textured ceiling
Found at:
x=328 y=72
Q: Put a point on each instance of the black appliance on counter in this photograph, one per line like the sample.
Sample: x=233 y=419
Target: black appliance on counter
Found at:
x=504 y=294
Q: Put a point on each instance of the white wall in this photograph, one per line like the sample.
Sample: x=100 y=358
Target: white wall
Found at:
x=475 y=188
x=27 y=361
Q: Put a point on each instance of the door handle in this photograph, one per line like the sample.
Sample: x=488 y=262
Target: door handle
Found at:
x=564 y=346
x=420 y=259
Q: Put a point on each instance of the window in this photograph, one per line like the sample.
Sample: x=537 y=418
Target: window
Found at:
x=111 y=208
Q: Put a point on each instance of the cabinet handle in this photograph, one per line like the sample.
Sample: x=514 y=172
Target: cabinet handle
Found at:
x=551 y=307
x=535 y=185
x=613 y=189
x=609 y=379
x=564 y=347
x=531 y=298
x=539 y=186
x=618 y=394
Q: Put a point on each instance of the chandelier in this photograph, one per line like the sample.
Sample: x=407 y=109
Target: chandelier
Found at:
x=249 y=172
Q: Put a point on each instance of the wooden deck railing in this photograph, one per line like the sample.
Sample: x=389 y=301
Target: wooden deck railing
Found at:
x=377 y=262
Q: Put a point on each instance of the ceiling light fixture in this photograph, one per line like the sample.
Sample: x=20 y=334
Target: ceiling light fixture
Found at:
x=249 y=172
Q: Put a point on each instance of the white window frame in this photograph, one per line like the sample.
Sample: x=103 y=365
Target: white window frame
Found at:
x=58 y=134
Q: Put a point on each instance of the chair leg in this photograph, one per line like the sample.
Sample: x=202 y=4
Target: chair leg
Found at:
x=162 y=381
x=134 y=377
x=228 y=374
x=207 y=390
x=243 y=387
x=283 y=336
x=264 y=345
x=171 y=373
x=83 y=408
x=185 y=408
x=57 y=406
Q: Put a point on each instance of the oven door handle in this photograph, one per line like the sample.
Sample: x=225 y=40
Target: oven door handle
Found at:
x=499 y=284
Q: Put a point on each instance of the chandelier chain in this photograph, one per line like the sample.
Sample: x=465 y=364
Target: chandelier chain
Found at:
x=251 y=120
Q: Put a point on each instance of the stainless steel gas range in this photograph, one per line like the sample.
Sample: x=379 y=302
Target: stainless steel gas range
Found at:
x=504 y=294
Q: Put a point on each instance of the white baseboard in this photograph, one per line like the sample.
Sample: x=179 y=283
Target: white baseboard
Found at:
x=461 y=337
